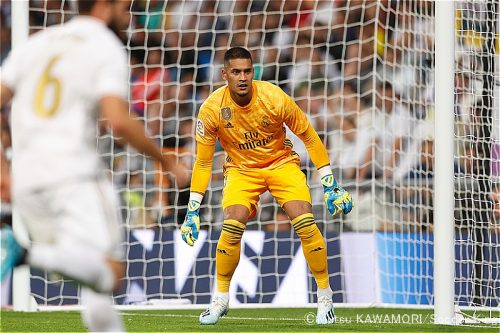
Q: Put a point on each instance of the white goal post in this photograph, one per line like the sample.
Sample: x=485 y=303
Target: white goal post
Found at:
x=444 y=240
x=21 y=293
x=405 y=96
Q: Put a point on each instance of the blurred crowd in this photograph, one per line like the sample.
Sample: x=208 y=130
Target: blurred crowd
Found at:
x=361 y=70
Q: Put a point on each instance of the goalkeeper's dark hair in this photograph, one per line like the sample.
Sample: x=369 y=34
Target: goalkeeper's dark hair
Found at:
x=236 y=53
x=85 y=6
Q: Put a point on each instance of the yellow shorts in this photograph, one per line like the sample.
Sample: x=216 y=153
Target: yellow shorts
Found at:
x=244 y=186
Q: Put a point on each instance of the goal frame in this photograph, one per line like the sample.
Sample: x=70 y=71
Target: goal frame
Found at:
x=21 y=291
x=444 y=235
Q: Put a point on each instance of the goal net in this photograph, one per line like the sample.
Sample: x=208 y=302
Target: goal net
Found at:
x=363 y=72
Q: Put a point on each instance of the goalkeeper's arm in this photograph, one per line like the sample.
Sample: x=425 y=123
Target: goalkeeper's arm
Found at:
x=336 y=198
x=202 y=172
x=316 y=149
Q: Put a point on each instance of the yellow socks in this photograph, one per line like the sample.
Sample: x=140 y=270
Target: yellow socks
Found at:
x=228 y=253
x=314 y=248
x=313 y=245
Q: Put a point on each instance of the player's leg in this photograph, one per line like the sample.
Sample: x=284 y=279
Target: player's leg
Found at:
x=229 y=245
x=75 y=232
x=288 y=185
x=314 y=248
x=88 y=267
x=227 y=257
x=241 y=193
x=98 y=313
x=12 y=253
x=77 y=262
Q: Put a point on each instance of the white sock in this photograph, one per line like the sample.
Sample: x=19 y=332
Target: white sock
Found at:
x=223 y=295
x=325 y=292
x=98 y=313
x=88 y=267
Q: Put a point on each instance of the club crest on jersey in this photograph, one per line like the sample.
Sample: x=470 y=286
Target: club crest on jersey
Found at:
x=265 y=121
x=226 y=113
x=200 y=128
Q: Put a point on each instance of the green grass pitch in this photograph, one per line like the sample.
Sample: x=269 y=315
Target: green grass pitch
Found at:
x=244 y=320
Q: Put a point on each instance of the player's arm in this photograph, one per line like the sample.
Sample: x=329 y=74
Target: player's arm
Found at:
x=10 y=74
x=202 y=172
x=6 y=95
x=336 y=198
x=111 y=86
x=5 y=194
x=114 y=111
x=206 y=137
x=315 y=148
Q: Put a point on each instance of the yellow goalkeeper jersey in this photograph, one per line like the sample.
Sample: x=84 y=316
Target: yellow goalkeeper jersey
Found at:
x=252 y=136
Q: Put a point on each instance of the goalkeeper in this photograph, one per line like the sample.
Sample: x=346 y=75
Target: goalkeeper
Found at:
x=248 y=118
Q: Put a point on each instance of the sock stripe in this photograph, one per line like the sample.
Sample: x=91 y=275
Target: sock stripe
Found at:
x=235 y=223
x=303 y=221
x=233 y=227
x=304 y=226
x=302 y=217
x=298 y=225
x=232 y=231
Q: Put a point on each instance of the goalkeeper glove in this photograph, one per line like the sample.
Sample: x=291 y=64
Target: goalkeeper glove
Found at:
x=336 y=198
x=191 y=226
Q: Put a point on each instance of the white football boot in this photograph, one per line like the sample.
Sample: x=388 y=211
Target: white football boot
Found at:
x=217 y=309
x=325 y=314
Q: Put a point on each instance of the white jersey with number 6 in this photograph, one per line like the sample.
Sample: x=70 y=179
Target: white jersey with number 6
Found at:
x=58 y=77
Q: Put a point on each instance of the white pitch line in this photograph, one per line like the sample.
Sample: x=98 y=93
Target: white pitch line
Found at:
x=261 y=319
x=194 y=316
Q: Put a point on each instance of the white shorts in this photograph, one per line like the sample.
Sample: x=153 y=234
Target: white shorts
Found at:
x=78 y=214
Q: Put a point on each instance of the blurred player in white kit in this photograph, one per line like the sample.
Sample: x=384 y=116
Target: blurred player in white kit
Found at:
x=61 y=81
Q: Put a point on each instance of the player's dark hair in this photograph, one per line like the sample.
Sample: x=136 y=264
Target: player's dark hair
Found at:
x=236 y=53
x=85 y=6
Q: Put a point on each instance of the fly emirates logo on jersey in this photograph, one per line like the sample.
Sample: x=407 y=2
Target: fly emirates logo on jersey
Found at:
x=253 y=140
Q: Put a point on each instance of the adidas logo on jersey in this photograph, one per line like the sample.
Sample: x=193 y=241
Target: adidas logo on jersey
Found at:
x=228 y=125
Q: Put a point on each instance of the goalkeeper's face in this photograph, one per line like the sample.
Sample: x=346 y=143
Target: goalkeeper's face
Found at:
x=239 y=75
